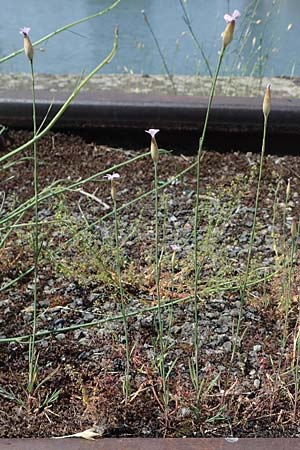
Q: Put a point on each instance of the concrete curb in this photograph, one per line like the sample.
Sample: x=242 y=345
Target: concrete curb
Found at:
x=120 y=119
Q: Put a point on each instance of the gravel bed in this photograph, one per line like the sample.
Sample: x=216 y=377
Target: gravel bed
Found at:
x=250 y=394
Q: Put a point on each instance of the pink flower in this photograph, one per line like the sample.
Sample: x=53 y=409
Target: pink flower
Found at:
x=152 y=132
x=25 y=31
x=232 y=18
x=112 y=176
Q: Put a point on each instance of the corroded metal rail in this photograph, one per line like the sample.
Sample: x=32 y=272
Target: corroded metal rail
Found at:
x=151 y=444
x=117 y=118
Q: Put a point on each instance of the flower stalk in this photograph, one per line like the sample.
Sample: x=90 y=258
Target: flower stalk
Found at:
x=33 y=358
x=266 y=111
x=161 y=363
x=194 y=362
x=113 y=191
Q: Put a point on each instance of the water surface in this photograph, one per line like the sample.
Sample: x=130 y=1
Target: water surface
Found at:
x=266 y=38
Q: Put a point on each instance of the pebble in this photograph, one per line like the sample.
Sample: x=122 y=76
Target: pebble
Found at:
x=60 y=336
x=256 y=383
x=88 y=316
x=257 y=348
x=227 y=346
x=84 y=341
x=185 y=412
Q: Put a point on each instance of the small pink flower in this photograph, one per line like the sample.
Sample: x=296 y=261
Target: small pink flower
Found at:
x=232 y=18
x=25 y=31
x=152 y=132
x=112 y=176
x=175 y=247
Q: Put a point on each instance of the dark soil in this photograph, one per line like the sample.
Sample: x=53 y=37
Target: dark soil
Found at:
x=253 y=393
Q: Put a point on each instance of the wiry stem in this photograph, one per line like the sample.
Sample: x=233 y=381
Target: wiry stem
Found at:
x=123 y=306
x=170 y=76
x=195 y=370
x=32 y=355
x=225 y=287
x=60 y=30
x=189 y=25
x=157 y=284
x=67 y=102
x=251 y=242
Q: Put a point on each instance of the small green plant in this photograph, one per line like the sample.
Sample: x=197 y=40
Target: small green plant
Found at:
x=194 y=362
x=266 y=111
x=33 y=385
x=33 y=358
x=161 y=342
x=126 y=385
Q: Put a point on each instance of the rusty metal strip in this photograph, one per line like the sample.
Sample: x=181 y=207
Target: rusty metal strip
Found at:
x=151 y=444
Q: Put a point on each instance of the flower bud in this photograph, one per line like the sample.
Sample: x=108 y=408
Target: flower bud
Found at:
x=28 y=48
x=227 y=34
x=267 y=101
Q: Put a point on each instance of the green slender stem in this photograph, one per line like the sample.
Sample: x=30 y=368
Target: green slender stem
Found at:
x=47 y=193
x=196 y=223
x=66 y=104
x=296 y=370
x=289 y=291
x=296 y=374
x=251 y=242
x=173 y=271
x=189 y=25
x=10 y=229
x=284 y=213
x=167 y=304
x=15 y=280
x=157 y=262
x=32 y=356
x=157 y=284
x=42 y=222
x=123 y=306
x=162 y=56
x=60 y=30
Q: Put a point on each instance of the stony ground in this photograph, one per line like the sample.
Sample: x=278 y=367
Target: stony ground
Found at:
x=252 y=393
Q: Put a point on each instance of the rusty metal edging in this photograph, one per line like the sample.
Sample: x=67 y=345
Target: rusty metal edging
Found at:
x=150 y=444
x=115 y=117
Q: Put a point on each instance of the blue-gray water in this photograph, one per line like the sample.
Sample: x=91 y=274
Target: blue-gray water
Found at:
x=270 y=47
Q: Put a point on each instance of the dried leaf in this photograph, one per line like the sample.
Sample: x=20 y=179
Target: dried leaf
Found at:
x=89 y=434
